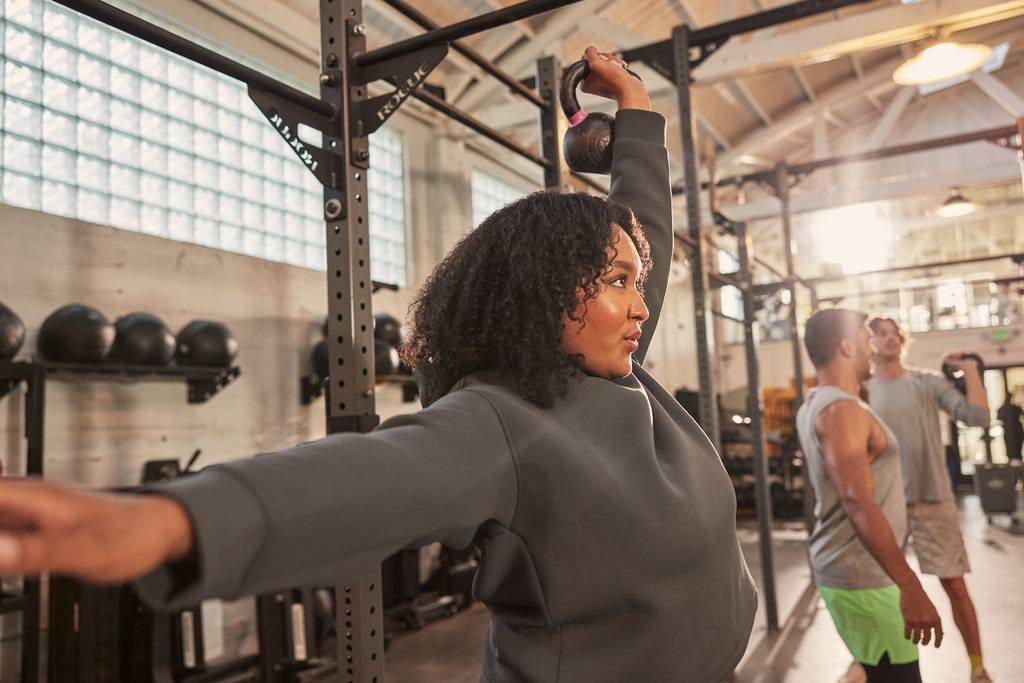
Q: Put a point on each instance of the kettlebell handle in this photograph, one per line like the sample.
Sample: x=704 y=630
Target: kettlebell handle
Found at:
x=572 y=77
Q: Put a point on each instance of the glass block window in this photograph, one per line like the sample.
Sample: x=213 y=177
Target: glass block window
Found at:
x=101 y=126
x=490 y=193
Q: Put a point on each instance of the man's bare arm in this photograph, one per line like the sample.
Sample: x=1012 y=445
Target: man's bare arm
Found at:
x=844 y=429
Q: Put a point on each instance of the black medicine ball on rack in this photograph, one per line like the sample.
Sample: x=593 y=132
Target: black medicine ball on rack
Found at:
x=206 y=343
x=388 y=328
x=12 y=333
x=75 y=334
x=142 y=339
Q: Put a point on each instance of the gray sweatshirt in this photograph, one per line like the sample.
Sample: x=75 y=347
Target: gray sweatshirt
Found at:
x=606 y=523
x=838 y=557
x=910 y=406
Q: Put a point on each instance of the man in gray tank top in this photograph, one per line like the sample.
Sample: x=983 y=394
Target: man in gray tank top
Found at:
x=853 y=463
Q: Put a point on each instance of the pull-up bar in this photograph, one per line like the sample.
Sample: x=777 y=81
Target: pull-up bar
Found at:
x=461 y=29
x=472 y=55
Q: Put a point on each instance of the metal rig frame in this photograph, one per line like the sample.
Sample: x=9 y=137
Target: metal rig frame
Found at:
x=346 y=114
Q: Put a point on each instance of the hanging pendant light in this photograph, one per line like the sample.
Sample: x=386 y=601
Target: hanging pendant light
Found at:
x=956 y=205
x=940 y=61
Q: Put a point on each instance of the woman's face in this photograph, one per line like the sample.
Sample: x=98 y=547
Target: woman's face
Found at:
x=609 y=331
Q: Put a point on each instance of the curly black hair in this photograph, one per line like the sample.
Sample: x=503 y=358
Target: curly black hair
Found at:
x=496 y=301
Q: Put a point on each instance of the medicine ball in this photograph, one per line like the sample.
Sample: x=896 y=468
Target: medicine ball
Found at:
x=206 y=343
x=12 y=333
x=318 y=359
x=385 y=358
x=142 y=339
x=75 y=334
x=388 y=328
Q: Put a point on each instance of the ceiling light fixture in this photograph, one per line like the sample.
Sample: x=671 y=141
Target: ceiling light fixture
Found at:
x=940 y=61
x=956 y=205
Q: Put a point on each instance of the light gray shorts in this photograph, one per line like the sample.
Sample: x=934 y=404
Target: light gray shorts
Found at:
x=938 y=542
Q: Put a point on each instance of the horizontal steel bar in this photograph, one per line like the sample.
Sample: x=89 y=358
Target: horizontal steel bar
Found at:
x=988 y=134
x=767 y=18
x=908 y=148
x=465 y=119
x=469 y=53
x=447 y=34
x=133 y=25
x=916 y=266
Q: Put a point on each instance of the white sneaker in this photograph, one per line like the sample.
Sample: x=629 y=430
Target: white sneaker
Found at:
x=980 y=676
x=855 y=674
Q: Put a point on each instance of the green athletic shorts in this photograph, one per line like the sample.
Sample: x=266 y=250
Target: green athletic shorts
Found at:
x=870 y=623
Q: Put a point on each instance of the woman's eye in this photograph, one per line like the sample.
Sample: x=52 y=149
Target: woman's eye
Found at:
x=620 y=281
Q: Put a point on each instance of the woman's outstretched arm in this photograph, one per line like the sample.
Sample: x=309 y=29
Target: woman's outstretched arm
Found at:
x=302 y=516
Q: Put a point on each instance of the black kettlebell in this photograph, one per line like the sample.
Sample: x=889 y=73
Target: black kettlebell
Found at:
x=75 y=334
x=957 y=376
x=142 y=339
x=587 y=145
x=12 y=333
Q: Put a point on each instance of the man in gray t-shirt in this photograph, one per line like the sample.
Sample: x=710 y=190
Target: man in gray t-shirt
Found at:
x=909 y=401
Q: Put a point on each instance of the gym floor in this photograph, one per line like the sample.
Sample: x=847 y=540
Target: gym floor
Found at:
x=807 y=650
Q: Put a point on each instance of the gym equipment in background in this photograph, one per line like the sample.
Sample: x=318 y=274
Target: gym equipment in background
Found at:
x=142 y=339
x=388 y=328
x=318 y=360
x=75 y=333
x=206 y=343
x=385 y=358
x=12 y=333
x=587 y=144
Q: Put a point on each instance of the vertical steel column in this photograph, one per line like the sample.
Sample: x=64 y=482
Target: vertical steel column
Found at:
x=782 y=192
x=1020 y=145
x=359 y=617
x=698 y=265
x=764 y=505
x=35 y=414
x=782 y=188
x=548 y=73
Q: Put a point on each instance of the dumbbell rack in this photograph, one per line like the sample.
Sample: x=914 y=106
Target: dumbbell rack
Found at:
x=202 y=383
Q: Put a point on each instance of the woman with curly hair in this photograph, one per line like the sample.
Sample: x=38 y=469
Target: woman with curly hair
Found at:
x=604 y=517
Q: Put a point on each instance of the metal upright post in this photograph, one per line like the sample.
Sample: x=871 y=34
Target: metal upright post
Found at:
x=35 y=413
x=359 y=613
x=547 y=87
x=1019 y=121
x=698 y=265
x=782 y=189
x=782 y=182
x=764 y=506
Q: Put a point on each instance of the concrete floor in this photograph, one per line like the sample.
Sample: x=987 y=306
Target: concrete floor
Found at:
x=807 y=649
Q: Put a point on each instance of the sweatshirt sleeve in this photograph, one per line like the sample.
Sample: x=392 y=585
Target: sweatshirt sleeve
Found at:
x=955 y=404
x=640 y=180
x=313 y=514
